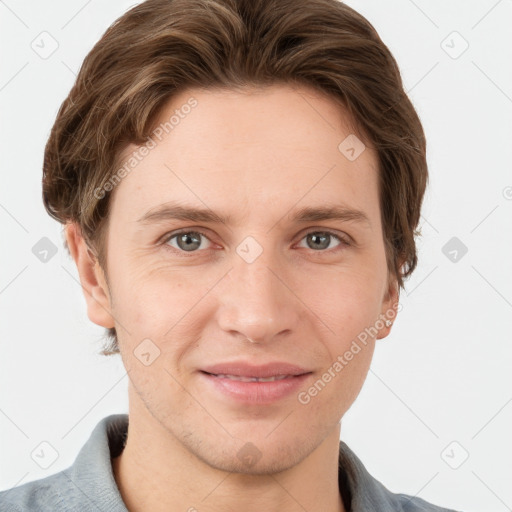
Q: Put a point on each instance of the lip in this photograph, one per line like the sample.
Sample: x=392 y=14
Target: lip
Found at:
x=243 y=369
x=257 y=393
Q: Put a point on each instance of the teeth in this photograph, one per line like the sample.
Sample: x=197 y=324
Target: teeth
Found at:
x=252 y=379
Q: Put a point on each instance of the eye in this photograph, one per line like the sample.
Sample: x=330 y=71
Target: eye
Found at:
x=188 y=241
x=322 y=240
x=192 y=241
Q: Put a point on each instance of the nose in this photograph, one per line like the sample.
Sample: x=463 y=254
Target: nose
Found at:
x=257 y=302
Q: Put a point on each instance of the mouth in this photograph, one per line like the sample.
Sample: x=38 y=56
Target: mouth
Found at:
x=254 y=384
x=242 y=369
x=243 y=378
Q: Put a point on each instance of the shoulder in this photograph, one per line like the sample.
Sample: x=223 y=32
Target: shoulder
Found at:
x=45 y=494
x=367 y=494
x=406 y=503
x=383 y=500
x=88 y=484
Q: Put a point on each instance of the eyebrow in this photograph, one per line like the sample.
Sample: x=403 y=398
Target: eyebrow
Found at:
x=334 y=212
x=171 y=211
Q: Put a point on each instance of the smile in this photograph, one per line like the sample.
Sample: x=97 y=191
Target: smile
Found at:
x=253 y=379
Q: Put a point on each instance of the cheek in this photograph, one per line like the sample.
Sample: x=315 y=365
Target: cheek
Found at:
x=160 y=304
x=347 y=302
x=335 y=389
x=141 y=289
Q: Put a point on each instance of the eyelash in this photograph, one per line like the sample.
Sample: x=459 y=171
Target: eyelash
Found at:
x=174 y=234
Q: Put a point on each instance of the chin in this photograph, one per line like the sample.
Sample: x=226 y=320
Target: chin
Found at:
x=258 y=457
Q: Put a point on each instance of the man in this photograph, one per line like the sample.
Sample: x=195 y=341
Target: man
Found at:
x=240 y=183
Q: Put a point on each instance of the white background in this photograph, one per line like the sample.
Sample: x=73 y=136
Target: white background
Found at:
x=444 y=373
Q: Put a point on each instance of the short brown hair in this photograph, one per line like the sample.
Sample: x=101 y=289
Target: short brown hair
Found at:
x=163 y=47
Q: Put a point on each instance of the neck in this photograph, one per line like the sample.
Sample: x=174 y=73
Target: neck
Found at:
x=156 y=472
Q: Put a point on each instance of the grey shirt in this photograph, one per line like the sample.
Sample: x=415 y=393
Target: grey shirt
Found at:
x=89 y=484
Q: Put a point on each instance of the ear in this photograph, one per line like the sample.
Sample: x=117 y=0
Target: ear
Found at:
x=92 y=278
x=390 y=306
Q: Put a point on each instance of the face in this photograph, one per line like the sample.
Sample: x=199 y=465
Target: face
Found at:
x=245 y=264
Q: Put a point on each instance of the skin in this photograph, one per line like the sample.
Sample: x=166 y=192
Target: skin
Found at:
x=257 y=156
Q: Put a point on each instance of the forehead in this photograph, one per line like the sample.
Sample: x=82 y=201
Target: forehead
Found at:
x=283 y=117
x=250 y=149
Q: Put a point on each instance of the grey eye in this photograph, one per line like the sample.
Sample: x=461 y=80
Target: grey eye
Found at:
x=319 y=240
x=187 y=241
